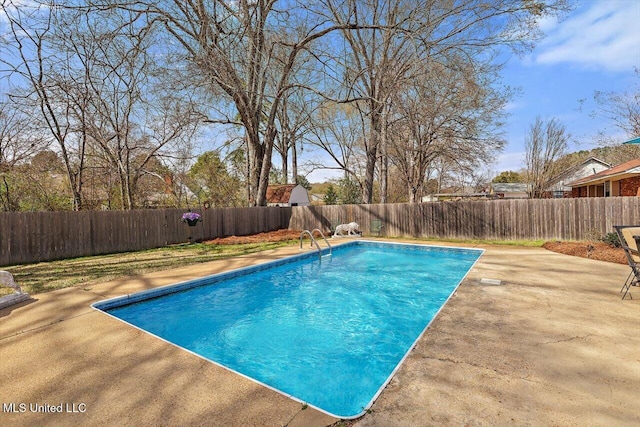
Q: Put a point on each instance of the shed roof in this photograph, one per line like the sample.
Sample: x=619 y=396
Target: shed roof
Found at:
x=279 y=193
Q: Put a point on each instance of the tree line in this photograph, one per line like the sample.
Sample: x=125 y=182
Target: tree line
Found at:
x=108 y=104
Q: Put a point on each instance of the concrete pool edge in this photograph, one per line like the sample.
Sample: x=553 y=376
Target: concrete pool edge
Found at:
x=422 y=333
x=105 y=305
x=477 y=364
x=193 y=283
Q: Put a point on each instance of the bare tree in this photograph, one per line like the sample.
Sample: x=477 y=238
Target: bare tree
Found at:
x=126 y=105
x=454 y=114
x=545 y=144
x=294 y=121
x=395 y=34
x=29 y=58
x=376 y=59
x=338 y=132
x=18 y=143
x=249 y=51
x=101 y=86
x=621 y=109
x=18 y=140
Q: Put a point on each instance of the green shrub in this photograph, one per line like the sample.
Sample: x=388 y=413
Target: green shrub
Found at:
x=612 y=240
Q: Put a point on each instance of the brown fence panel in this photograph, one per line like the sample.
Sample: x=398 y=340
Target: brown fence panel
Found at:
x=521 y=219
x=40 y=236
x=43 y=236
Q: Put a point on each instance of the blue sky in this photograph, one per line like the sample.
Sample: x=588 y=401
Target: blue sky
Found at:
x=594 y=48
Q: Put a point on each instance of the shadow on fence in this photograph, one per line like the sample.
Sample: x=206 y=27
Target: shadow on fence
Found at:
x=27 y=237
x=526 y=219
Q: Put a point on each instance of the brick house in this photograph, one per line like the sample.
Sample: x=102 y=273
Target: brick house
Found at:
x=560 y=185
x=620 y=180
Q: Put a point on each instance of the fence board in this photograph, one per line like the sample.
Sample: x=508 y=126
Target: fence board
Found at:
x=27 y=237
x=40 y=236
x=546 y=219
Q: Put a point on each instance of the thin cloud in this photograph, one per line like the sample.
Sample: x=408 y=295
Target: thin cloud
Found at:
x=604 y=35
x=510 y=161
x=11 y=8
x=512 y=106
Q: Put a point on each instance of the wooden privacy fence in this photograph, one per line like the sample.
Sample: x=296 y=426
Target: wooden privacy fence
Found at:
x=533 y=219
x=43 y=236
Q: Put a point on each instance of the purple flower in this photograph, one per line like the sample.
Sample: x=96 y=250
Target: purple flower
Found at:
x=190 y=216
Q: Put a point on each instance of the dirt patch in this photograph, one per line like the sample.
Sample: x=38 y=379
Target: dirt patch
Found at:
x=271 y=236
x=593 y=250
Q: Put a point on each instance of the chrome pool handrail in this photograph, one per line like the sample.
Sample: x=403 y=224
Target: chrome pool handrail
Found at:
x=314 y=241
x=325 y=239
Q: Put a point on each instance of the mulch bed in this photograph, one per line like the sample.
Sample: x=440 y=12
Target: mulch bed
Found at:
x=271 y=236
x=592 y=250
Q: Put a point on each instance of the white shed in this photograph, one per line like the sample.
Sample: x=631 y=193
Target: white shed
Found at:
x=287 y=195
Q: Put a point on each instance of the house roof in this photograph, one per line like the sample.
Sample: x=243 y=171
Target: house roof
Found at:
x=511 y=187
x=279 y=193
x=575 y=168
x=623 y=170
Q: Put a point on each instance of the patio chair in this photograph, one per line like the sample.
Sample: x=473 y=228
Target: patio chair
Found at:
x=629 y=236
x=376 y=227
x=6 y=279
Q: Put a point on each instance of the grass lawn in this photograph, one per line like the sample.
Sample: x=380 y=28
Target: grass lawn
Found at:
x=85 y=271
x=48 y=276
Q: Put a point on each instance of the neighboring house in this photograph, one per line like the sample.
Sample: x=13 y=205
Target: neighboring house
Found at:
x=620 y=180
x=559 y=186
x=509 y=190
x=317 y=199
x=429 y=198
x=166 y=196
x=287 y=195
x=455 y=193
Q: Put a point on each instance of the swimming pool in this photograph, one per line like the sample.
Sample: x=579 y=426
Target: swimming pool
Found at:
x=329 y=333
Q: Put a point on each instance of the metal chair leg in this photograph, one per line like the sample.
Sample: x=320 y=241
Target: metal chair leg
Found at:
x=626 y=281
x=633 y=282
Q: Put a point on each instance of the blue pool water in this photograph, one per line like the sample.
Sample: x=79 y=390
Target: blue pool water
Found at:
x=329 y=333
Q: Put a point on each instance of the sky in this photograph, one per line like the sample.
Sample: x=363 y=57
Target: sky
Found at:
x=593 y=48
x=596 y=47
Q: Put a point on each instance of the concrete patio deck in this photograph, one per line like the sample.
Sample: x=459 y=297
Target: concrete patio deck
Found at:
x=553 y=345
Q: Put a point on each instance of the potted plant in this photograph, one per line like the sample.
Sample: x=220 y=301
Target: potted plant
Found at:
x=191 y=218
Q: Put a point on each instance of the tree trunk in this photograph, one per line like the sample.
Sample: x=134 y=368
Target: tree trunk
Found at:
x=263 y=178
x=257 y=154
x=294 y=162
x=285 y=160
x=372 y=154
x=384 y=158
